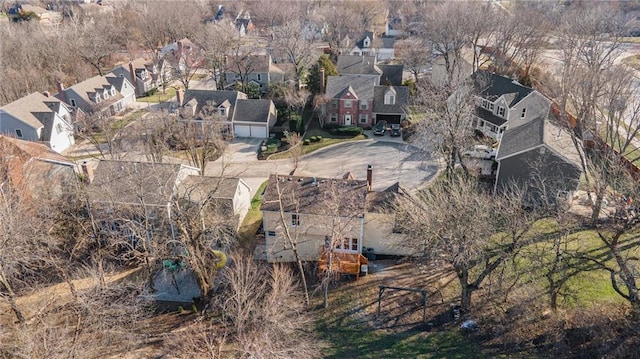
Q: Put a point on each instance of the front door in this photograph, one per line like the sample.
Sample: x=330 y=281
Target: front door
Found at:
x=347 y=120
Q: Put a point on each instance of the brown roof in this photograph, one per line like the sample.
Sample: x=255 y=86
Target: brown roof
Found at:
x=33 y=109
x=384 y=201
x=311 y=195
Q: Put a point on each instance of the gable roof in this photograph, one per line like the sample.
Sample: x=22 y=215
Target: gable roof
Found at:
x=391 y=74
x=382 y=42
x=128 y=182
x=87 y=89
x=200 y=98
x=253 y=62
x=35 y=110
x=384 y=201
x=489 y=116
x=311 y=195
x=253 y=110
x=199 y=188
x=401 y=100
x=361 y=86
x=357 y=65
x=535 y=133
x=491 y=86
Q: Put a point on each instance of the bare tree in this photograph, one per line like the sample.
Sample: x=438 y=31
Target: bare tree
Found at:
x=295 y=147
x=99 y=40
x=290 y=41
x=216 y=40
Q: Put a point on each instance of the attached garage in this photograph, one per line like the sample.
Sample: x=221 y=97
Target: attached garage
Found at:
x=251 y=130
x=389 y=118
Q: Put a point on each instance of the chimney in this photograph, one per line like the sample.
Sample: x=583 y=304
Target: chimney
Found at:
x=179 y=96
x=87 y=171
x=46 y=94
x=369 y=178
x=60 y=87
x=321 y=79
x=133 y=78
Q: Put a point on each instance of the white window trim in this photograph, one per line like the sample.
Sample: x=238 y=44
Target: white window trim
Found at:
x=19 y=133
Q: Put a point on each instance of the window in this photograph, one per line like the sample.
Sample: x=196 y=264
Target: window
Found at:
x=354 y=244
x=491 y=106
x=222 y=111
x=113 y=92
x=485 y=103
x=18 y=133
x=524 y=113
x=259 y=77
x=271 y=233
x=334 y=104
x=73 y=102
x=363 y=106
x=363 y=118
x=501 y=111
x=58 y=128
x=390 y=97
x=347 y=103
x=334 y=117
x=347 y=244
x=295 y=220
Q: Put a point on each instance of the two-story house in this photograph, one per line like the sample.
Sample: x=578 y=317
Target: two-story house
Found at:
x=39 y=117
x=244 y=117
x=366 y=66
x=142 y=74
x=252 y=69
x=107 y=94
x=500 y=101
x=381 y=48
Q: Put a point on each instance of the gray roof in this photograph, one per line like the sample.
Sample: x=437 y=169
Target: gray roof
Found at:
x=383 y=42
x=253 y=62
x=125 y=182
x=315 y=195
x=402 y=99
x=535 y=133
x=88 y=88
x=252 y=110
x=35 y=110
x=391 y=74
x=357 y=65
x=491 y=86
x=201 y=97
x=384 y=201
x=361 y=86
x=199 y=188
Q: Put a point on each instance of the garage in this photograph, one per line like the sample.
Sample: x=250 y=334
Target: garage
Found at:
x=389 y=118
x=257 y=131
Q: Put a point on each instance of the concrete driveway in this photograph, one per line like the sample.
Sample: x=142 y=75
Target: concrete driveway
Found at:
x=392 y=162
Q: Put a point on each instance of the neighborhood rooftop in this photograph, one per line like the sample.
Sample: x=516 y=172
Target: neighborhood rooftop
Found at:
x=35 y=109
x=492 y=86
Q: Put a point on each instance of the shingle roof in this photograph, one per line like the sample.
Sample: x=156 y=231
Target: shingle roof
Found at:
x=391 y=74
x=199 y=188
x=88 y=88
x=255 y=63
x=357 y=65
x=362 y=86
x=252 y=110
x=383 y=42
x=492 y=86
x=201 y=97
x=36 y=109
x=384 y=201
x=126 y=182
x=306 y=196
x=537 y=132
x=489 y=116
x=402 y=99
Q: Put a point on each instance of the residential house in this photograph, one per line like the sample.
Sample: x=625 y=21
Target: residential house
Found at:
x=328 y=215
x=243 y=23
x=500 y=101
x=349 y=101
x=39 y=117
x=381 y=48
x=35 y=172
x=390 y=104
x=365 y=66
x=107 y=94
x=540 y=157
x=244 y=117
x=440 y=75
x=228 y=199
x=253 y=69
x=142 y=74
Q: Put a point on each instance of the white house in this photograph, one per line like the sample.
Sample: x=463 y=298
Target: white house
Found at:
x=38 y=117
x=109 y=93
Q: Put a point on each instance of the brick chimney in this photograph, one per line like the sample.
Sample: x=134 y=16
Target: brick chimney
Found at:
x=369 y=178
x=133 y=78
x=87 y=171
x=61 y=93
x=321 y=80
x=179 y=97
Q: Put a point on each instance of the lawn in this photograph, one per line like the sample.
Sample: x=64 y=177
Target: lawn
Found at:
x=253 y=219
x=160 y=96
x=123 y=121
x=317 y=145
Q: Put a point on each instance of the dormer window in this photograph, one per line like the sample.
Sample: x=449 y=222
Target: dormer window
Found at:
x=105 y=94
x=222 y=111
x=390 y=97
x=113 y=91
x=73 y=102
x=366 y=42
x=524 y=113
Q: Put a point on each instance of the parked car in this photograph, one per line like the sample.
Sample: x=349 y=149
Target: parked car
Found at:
x=380 y=128
x=395 y=130
x=482 y=152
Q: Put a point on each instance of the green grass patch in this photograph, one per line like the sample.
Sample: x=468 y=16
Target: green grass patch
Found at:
x=159 y=97
x=317 y=145
x=253 y=219
x=121 y=122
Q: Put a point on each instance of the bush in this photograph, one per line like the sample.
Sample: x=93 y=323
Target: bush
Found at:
x=350 y=131
x=151 y=92
x=295 y=123
x=319 y=138
x=313 y=139
x=272 y=148
x=306 y=142
x=273 y=141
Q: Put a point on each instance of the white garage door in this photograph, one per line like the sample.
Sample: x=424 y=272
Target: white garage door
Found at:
x=250 y=131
